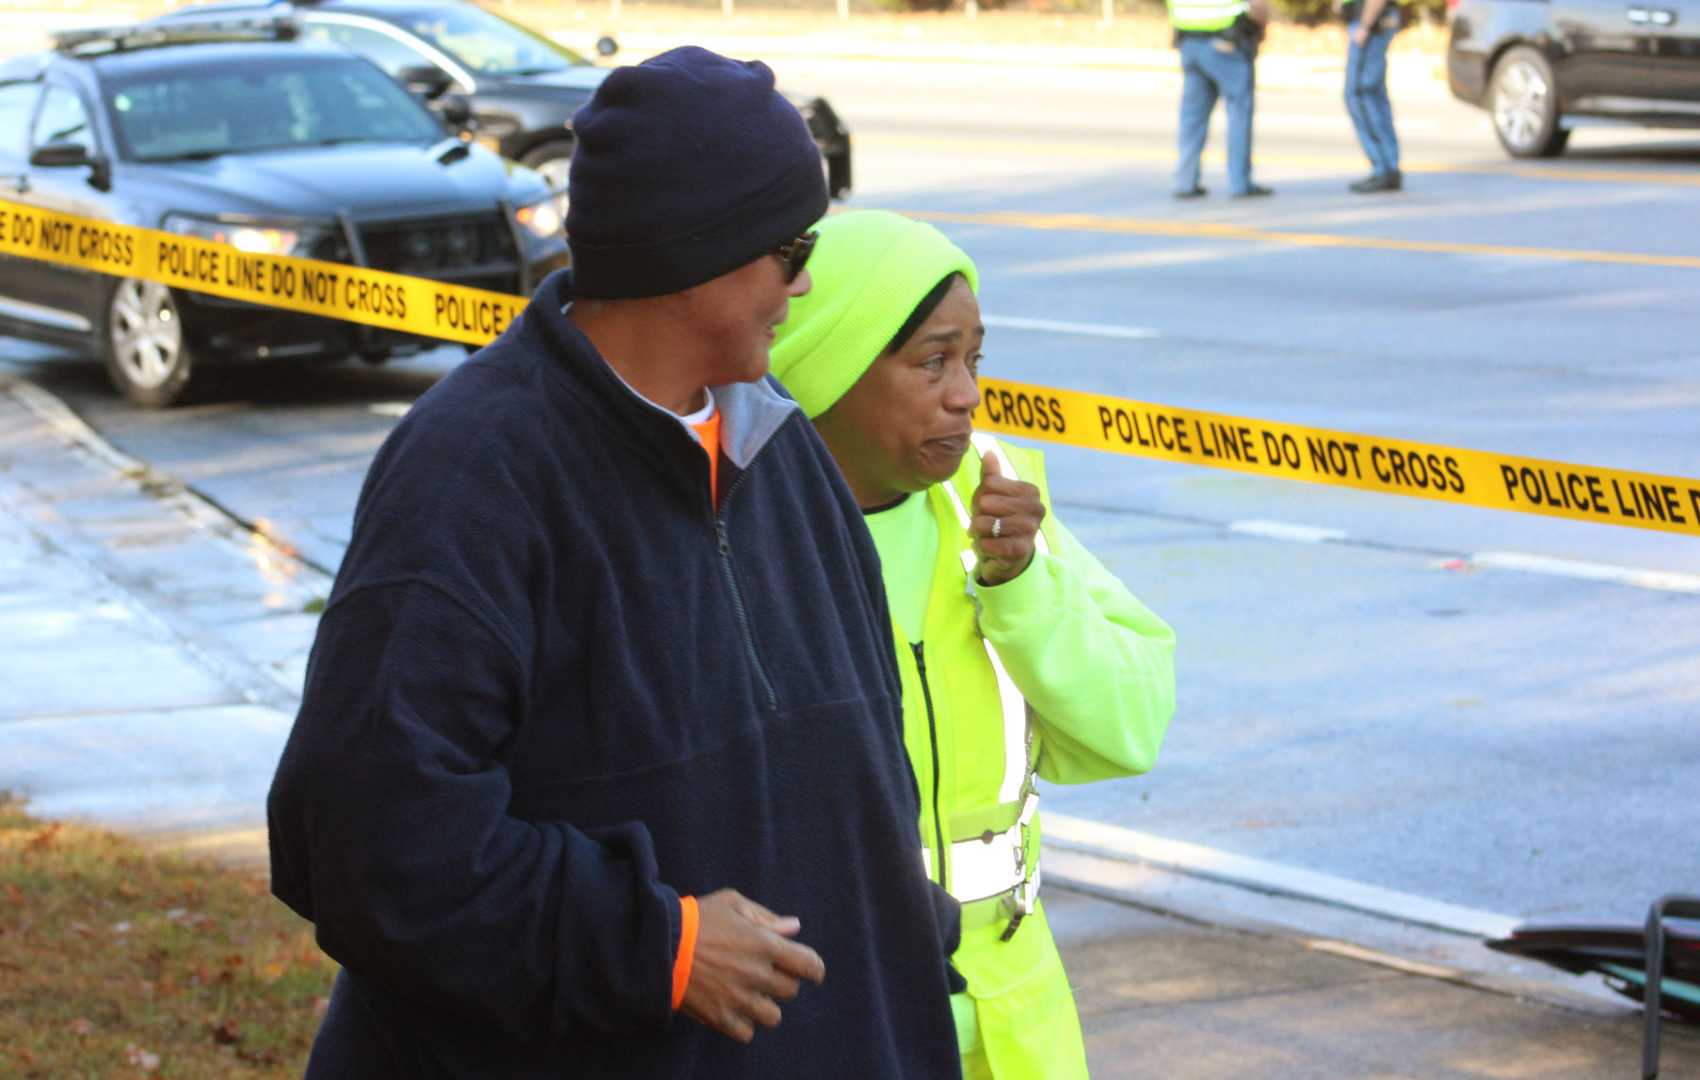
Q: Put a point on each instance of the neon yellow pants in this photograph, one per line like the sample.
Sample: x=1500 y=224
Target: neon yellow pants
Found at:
x=1017 y=1020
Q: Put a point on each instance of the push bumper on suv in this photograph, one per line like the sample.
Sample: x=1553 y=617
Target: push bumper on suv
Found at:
x=483 y=251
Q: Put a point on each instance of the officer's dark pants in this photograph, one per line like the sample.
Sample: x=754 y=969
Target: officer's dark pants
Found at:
x=1212 y=67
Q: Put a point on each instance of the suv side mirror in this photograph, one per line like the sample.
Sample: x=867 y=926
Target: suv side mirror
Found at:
x=70 y=155
x=606 y=45
x=455 y=110
x=60 y=155
x=427 y=81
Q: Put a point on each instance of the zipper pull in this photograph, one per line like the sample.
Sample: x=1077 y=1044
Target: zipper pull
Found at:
x=720 y=535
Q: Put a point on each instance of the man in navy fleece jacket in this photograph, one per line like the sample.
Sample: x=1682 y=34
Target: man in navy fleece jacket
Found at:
x=606 y=679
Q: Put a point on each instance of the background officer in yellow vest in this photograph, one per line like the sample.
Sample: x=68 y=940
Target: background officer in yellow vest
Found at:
x=1218 y=42
x=1021 y=656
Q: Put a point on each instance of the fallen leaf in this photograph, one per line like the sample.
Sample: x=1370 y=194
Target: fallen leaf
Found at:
x=224 y=1033
x=82 y=1025
x=141 y=1059
x=321 y=1005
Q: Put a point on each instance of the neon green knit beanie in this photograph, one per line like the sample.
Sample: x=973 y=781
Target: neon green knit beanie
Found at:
x=870 y=269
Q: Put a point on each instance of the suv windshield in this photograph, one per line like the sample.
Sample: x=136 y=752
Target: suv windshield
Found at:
x=487 y=44
x=198 y=112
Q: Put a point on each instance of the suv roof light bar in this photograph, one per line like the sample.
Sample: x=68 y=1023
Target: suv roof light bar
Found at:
x=280 y=27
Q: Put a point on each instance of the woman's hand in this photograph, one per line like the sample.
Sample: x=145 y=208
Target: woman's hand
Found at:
x=1005 y=523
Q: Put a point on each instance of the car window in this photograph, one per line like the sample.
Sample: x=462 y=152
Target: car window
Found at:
x=382 y=49
x=62 y=119
x=17 y=103
x=488 y=44
x=203 y=113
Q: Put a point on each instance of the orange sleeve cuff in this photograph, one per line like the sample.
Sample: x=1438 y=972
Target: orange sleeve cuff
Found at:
x=687 y=948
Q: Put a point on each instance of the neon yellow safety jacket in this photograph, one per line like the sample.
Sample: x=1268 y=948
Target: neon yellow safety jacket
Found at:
x=1058 y=673
x=1205 y=15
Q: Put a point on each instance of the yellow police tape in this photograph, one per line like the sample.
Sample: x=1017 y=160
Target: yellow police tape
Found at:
x=1262 y=447
x=1344 y=459
x=335 y=290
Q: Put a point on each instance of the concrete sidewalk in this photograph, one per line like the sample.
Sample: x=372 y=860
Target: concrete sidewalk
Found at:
x=151 y=654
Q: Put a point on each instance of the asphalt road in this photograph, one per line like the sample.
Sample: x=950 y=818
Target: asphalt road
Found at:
x=1381 y=706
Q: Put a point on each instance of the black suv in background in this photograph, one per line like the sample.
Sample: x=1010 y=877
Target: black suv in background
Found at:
x=280 y=148
x=1541 y=67
x=522 y=87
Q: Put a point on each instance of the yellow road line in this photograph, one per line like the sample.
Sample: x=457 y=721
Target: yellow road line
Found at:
x=1217 y=230
x=1564 y=173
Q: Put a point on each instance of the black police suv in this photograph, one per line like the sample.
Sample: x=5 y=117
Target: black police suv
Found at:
x=275 y=147
x=522 y=87
x=1542 y=67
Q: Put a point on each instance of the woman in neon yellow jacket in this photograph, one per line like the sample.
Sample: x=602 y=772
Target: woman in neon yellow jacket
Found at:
x=1021 y=656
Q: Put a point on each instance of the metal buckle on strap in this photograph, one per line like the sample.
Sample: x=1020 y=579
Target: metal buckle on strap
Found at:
x=1022 y=902
x=1025 y=896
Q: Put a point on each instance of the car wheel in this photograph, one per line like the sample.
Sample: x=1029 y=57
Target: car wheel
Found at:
x=1524 y=103
x=551 y=160
x=142 y=343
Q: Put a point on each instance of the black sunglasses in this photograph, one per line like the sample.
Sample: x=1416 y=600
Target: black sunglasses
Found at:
x=795 y=253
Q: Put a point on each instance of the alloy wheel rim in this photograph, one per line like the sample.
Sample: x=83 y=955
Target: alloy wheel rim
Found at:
x=555 y=172
x=1520 y=104
x=147 y=336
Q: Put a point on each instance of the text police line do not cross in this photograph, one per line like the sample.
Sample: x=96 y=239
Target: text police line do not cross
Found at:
x=1267 y=448
x=1342 y=459
x=358 y=294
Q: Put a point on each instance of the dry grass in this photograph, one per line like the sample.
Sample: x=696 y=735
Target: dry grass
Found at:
x=119 y=962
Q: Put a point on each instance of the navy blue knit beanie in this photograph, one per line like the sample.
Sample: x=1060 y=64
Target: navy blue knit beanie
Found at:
x=688 y=166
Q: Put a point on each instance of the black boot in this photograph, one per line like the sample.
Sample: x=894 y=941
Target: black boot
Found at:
x=1381 y=181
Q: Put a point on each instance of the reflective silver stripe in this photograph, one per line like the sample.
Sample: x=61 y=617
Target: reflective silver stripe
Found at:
x=1010 y=698
x=1014 y=731
x=986 y=867
x=979 y=869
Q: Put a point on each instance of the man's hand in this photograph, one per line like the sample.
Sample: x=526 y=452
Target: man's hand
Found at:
x=744 y=965
x=1368 y=16
x=1006 y=521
